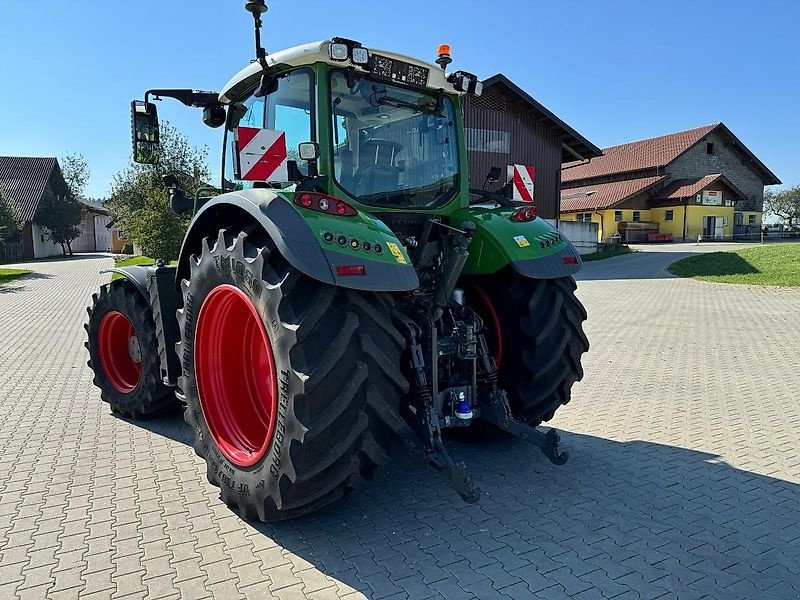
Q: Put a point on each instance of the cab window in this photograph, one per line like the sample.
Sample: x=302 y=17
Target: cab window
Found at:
x=290 y=108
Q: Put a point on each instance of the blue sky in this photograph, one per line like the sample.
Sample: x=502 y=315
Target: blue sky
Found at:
x=616 y=71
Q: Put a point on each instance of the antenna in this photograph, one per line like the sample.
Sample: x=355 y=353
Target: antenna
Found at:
x=258 y=8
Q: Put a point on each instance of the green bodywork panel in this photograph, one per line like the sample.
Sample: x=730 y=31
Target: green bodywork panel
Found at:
x=361 y=228
x=499 y=241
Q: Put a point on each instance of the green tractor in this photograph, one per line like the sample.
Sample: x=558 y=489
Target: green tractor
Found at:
x=345 y=292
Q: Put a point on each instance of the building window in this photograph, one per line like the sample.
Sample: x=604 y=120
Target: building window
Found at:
x=486 y=140
x=584 y=217
x=710 y=148
x=751 y=220
x=669 y=215
x=618 y=215
x=41 y=237
x=637 y=216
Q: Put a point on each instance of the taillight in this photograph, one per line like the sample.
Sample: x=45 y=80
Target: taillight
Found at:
x=325 y=204
x=524 y=214
x=570 y=260
x=351 y=270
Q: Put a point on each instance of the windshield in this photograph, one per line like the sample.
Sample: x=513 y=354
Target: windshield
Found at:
x=393 y=146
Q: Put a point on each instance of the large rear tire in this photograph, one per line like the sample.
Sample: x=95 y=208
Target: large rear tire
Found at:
x=279 y=373
x=123 y=353
x=535 y=328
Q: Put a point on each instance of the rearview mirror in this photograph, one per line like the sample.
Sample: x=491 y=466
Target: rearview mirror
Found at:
x=144 y=132
x=308 y=151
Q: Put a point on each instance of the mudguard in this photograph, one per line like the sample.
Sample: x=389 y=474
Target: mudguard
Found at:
x=534 y=249
x=314 y=243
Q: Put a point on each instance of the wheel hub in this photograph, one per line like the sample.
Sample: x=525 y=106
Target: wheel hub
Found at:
x=235 y=373
x=135 y=349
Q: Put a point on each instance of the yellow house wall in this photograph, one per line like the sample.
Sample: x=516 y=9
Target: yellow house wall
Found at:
x=694 y=219
x=675 y=227
x=695 y=214
x=607 y=226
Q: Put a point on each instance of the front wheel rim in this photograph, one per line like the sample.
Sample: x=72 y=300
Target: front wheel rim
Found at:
x=120 y=352
x=235 y=373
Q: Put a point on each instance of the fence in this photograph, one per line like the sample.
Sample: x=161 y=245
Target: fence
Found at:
x=11 y=250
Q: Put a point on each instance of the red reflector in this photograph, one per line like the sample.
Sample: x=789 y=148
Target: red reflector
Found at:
x=351 y=270
x=306 y=200
x=524 y=214
x=341 y=208
x=570 y=260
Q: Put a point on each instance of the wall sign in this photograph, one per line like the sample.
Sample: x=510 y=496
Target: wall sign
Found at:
x=712 y=198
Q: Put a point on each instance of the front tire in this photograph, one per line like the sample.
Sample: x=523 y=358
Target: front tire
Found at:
x=277 y=372
x=123 y=353
x=535 y=326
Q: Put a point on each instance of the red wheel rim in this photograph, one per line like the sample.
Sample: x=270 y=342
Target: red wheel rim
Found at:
x=120 y=352
x=235 y=373
x=495 y=324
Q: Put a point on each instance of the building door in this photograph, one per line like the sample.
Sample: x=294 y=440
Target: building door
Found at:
x=709 y=227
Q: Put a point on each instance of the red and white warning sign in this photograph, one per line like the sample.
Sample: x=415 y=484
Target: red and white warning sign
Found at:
x=522 y=178
x=262 y=154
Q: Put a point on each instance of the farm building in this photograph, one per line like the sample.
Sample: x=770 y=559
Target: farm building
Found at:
x=25 y=182
x=506 y=126
x=701 y=182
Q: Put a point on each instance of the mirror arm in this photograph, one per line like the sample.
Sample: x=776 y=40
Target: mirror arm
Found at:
x=193 y=98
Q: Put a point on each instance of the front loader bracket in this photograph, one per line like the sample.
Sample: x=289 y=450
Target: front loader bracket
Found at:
x=498 y=412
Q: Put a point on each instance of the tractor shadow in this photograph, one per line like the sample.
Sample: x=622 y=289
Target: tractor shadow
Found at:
x=619 y=515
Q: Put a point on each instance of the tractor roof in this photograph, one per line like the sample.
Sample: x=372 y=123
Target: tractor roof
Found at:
x=314 y=52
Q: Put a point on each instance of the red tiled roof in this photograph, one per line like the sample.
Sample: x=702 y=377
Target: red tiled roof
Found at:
x=686 y=188
x=636 y=156
x=605 y=195
x=24 y=180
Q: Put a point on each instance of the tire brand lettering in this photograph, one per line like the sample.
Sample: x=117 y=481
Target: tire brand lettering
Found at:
x=222 y=263
x=188 y=313
x=280 y=426
x=231 y=266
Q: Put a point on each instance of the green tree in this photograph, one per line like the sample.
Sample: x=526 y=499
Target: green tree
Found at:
x=61 y=215
x=61 y=218
x=76 y=173
x=139 y=203
x=9 y=224
x=784 y=204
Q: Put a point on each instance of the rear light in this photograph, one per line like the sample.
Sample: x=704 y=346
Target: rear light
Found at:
x=351 y=270
x=524 y=214
x=569 y=260
x=324 y=204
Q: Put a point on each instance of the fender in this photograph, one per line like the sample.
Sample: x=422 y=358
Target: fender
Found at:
x=534 y=249
x=309 y=240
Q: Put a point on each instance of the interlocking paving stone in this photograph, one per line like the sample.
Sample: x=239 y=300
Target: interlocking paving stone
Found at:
x=684 y=477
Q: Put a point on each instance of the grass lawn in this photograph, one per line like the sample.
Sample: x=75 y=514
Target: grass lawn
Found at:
x=132 y=261
x=7 y=275
x=775 y=264
x=613 y=251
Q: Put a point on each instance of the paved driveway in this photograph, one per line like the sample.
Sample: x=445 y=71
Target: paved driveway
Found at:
x=684 y=479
